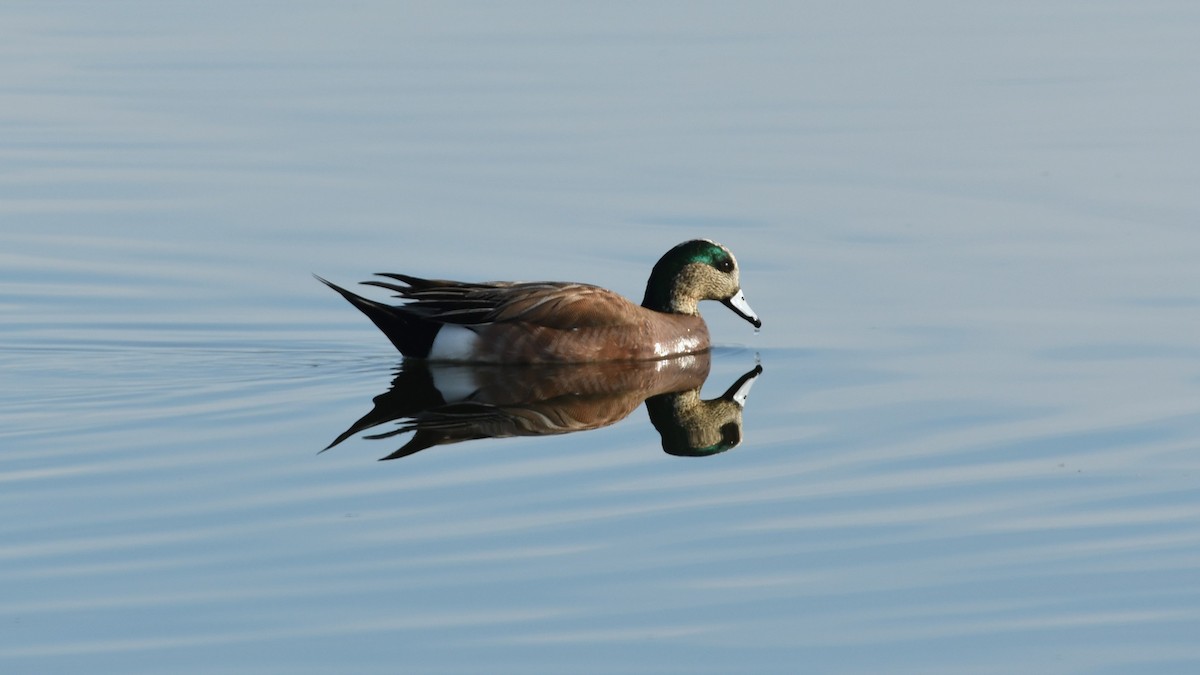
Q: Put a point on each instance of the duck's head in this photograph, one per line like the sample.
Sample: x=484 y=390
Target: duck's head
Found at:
x=697 y=270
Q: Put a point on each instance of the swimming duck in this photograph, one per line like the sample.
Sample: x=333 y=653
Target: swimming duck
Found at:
x=559 y=322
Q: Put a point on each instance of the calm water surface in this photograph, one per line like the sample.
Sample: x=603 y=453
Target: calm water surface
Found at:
x=971 y=233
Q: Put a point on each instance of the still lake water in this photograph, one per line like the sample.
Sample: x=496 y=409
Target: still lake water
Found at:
x=972 y=233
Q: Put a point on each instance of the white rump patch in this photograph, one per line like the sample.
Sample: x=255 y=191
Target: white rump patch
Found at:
x=453 y=343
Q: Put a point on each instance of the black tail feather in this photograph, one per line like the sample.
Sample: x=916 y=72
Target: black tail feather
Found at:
x=410 y=333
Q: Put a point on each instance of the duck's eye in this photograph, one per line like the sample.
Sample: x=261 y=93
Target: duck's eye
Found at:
x=725 y=265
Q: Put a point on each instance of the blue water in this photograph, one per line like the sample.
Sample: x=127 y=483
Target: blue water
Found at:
x=971 y=233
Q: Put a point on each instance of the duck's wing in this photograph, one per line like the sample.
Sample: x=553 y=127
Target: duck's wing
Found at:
x=552 y=304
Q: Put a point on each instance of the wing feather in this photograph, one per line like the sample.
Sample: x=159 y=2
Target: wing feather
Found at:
x=560 y=305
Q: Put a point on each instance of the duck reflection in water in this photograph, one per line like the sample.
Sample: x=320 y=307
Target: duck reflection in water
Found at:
x=449 y=403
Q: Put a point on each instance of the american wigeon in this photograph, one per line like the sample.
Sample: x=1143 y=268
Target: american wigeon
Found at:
x=559 y=322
